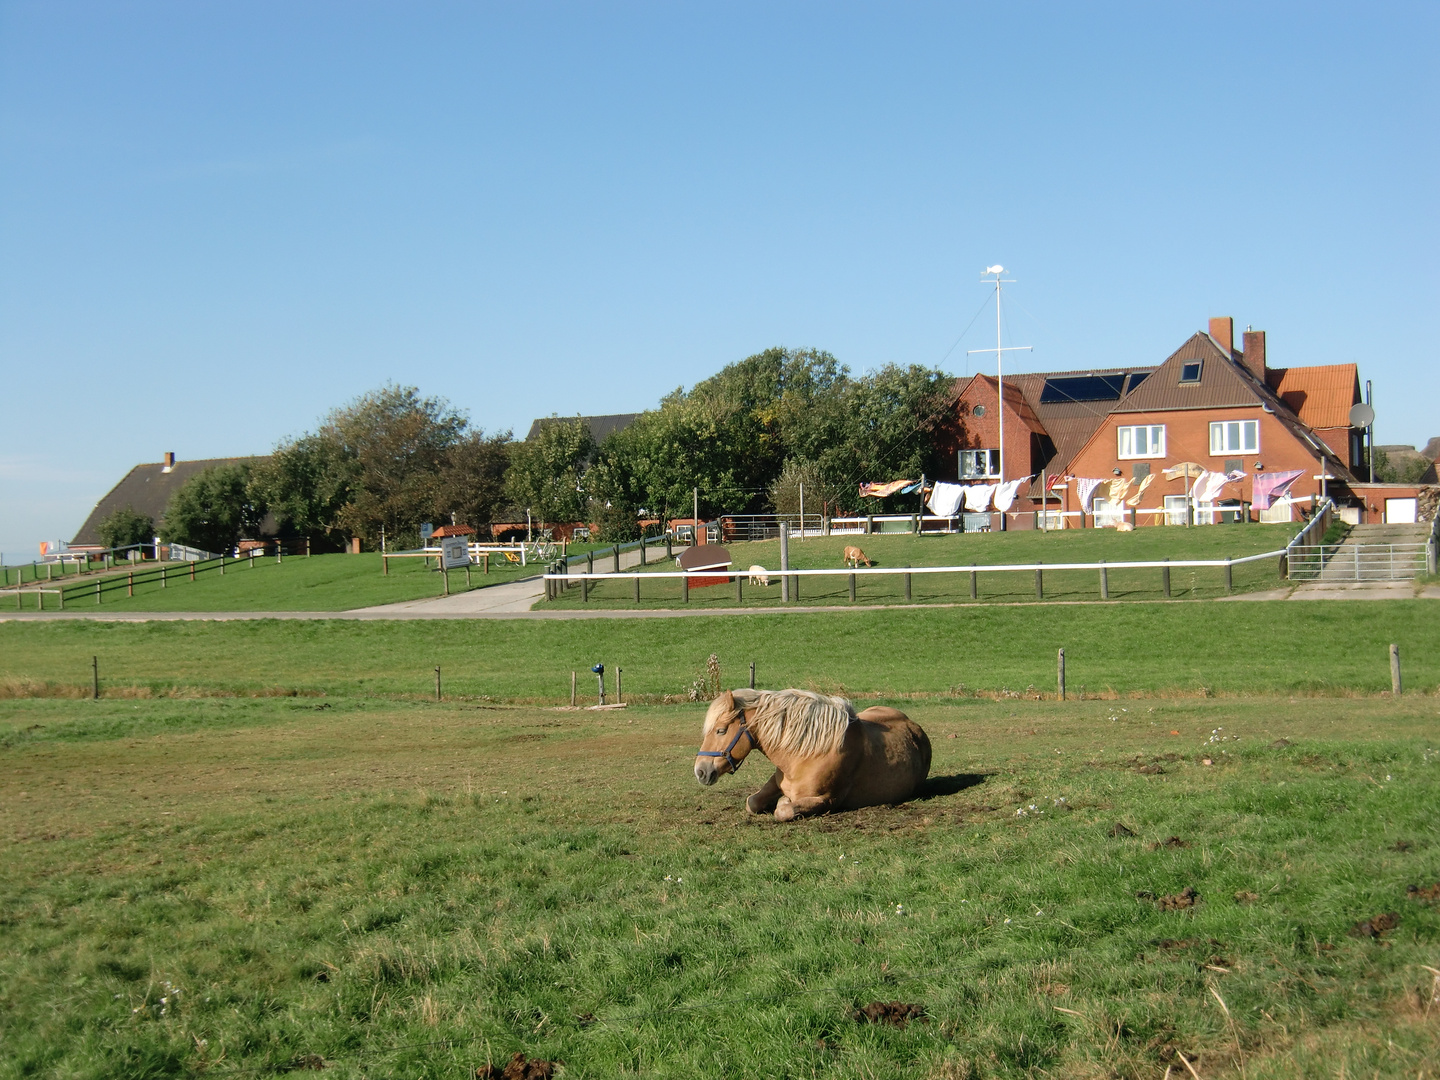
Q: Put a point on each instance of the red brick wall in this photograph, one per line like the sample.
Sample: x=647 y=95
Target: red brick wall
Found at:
x=983 y=432
x=1187 y=438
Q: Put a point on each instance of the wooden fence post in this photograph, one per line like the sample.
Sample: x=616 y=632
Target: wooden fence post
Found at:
x=572 y=689
x=1104 y=581
x=1165 y=577
x=739 y=588
x=974 y=584
x=685 y=588
x=637 y=588
x=1060 y=674
x=852 y=588
x=95 y=677
x=130 y=583
x=907 y=584
x=1229 y=574
x=752 y=674
x=617 y=558
x=1039 y=584
x=437 y=684
x=1396 y=688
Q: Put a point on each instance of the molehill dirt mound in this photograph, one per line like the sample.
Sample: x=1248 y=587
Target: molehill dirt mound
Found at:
x=1121 y=831
x=1376 y=925
x=1171 y=842
x=1185 y=898
x=894 y=1013
x=1424 y=892
x=519 y=1067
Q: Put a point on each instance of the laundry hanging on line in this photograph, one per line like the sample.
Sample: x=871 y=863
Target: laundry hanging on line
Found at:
x=1085 y=488
x=1005 y=493
x=1270 y=485
x=1145 y=482
x=1118 y=488
x=880 y=491
x=977 y=497
x=945 y=499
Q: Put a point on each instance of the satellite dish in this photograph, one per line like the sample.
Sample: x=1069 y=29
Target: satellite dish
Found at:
x=1361 y=415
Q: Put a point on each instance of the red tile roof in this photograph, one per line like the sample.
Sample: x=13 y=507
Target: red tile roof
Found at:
x=1321 y=396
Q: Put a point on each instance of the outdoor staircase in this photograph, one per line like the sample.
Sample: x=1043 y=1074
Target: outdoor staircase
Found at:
x=1371 y=553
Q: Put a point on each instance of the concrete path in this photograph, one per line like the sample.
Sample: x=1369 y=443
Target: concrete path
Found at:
x=511 y=598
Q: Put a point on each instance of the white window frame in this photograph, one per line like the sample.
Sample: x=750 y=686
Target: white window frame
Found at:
x=1175 y=509
x=1221 y=431
x=1151 y=438
x=992 y=467
x=1107 y=514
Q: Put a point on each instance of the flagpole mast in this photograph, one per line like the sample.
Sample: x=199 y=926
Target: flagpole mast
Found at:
x=1000 y=352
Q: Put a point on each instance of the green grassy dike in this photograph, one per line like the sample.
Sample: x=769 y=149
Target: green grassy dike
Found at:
x=246 y=888
x=979 y=549
x=1117 y=649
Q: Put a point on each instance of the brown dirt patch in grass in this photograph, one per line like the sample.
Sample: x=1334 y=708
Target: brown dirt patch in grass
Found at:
x=1376 y=925
x=895 y=1013
x=1424 y=892
x=518 y=1067
x=1185 y=898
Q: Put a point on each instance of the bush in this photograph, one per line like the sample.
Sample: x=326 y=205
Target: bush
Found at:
x=126 y=526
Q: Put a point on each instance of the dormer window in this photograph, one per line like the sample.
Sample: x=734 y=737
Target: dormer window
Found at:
x=1190 y=373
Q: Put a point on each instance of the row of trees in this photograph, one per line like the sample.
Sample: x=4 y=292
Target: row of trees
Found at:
x=747 y=438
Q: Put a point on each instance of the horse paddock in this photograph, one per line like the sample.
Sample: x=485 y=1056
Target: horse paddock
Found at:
x=242 y=887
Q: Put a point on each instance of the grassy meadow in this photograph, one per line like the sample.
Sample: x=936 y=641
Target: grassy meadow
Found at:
x=981 y=549
x=1111 y=649
x=248 y=887
x=296 y=583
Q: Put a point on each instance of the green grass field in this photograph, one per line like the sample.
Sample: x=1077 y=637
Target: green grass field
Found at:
x=983 y=549
x=244 y=888
x=1141 y=648
x=317 y=583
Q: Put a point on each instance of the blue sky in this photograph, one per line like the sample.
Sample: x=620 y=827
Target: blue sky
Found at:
x=220 y=220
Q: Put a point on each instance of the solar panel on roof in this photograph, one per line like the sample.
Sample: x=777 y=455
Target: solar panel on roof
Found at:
x=1082 y=388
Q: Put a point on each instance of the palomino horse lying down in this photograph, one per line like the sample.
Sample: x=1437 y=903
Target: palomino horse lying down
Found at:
x=826 y=756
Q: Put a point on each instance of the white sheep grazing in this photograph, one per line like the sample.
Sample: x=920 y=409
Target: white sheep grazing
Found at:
x=759 y=575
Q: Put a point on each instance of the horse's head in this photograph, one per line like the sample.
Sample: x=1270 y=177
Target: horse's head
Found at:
x=724 y=740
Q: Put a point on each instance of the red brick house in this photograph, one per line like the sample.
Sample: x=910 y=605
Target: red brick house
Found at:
x=1208 y=404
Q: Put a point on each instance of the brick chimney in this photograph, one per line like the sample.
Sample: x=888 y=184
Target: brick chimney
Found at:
x=1222 y=329
x=169 y=461
x=1254 y=356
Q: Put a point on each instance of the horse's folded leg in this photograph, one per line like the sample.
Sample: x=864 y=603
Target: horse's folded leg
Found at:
x=764 y=800
x=789 y=809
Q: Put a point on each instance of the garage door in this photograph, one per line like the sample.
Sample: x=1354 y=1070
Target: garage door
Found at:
x=1400 y=511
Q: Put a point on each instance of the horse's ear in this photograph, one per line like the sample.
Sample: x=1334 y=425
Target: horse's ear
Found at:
x=727 y=701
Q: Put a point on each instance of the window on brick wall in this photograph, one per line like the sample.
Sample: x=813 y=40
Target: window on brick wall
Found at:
x=979 y=464
x=1234 y=437
x=1142 y=441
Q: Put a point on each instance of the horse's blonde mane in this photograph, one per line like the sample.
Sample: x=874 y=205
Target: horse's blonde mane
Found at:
x=797 y=721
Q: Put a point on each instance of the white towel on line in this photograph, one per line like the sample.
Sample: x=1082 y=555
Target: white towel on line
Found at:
x=977 y=497
x=945 y=499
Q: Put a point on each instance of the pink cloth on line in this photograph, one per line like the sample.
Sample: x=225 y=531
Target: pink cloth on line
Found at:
x=1085 y=488
x=1268 y=485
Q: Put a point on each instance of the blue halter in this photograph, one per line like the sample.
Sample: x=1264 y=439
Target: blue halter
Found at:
x=734 y=765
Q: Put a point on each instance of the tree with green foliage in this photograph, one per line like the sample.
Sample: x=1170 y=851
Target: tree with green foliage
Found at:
x=733 y=433
x=546 y=471
x=472 y=478
x=125 y=526
x=381 y=466
x=213 y=509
